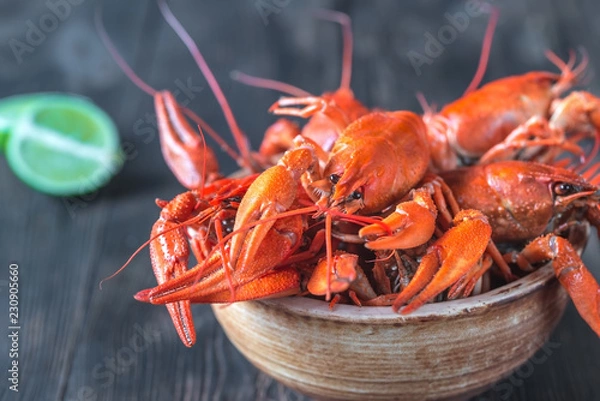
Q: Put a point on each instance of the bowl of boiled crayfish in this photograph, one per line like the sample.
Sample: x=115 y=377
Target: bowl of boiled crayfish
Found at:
x=445 y=350
x=385 y=254
x=369 y=342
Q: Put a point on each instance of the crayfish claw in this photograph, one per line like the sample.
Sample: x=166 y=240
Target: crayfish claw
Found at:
x=285 y=106
x=454 y=256
x=425 y=272
x=184 y=151
x=143 y=295
x=412 y=224
x=169 y=254
x=572 y=274
x=181 y=315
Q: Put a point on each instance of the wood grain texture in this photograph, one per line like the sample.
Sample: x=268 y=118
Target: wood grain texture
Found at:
x=80 y=343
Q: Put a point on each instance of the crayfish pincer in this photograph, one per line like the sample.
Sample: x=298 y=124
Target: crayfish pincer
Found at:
x=537 y=204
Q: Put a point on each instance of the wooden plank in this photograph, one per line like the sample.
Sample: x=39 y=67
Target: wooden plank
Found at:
x=80 y=343
x=58 y=250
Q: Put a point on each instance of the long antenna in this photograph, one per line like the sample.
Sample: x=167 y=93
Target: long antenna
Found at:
x=346 y=23
x=266 y=83
x=140 y=83
x=485 y=50
x=240 y=138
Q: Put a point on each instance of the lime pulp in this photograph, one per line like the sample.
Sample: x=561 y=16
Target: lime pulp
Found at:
x=62 y=145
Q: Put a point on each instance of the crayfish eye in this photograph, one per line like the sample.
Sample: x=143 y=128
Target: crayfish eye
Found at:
x=227 y=225
x=564 y=188
x=334 y=178
x=356 y=195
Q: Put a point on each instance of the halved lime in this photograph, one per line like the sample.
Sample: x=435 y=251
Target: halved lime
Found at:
x=63 y=145
x=10 y=110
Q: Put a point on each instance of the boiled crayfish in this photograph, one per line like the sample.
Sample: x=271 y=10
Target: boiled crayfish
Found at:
x=473 y=130
x=355 y=185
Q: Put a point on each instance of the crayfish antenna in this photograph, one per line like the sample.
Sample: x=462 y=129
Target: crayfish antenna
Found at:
x=428 y=109
x=329 y=253
x=356 y=219
x=142 y=85
x=116 y=56
x=193 y=220
x=240 y=139
x=329 y=15
x=120 y=269
x=266 y=83
x=485 y=50
x=346 y=23
x=204 y=157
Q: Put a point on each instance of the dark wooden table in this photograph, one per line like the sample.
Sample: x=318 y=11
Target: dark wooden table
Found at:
x=79 y=343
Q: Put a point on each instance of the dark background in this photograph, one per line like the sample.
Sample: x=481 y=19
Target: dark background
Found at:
x=79 y=343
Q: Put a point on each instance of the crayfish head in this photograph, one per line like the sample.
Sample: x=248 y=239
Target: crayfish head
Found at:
x=343 y=186
x=331 y=195
x=356 y=182
x=535 y=195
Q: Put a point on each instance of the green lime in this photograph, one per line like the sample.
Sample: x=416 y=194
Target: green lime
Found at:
x=10 y=110
x=63 y=145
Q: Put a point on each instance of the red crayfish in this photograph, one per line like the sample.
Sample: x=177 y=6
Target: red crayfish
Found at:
x=316 y=203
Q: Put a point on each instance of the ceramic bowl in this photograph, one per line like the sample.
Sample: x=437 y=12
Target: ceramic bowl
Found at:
x=448 y=350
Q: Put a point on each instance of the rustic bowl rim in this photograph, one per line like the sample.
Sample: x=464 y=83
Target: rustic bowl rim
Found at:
x=474 y=305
